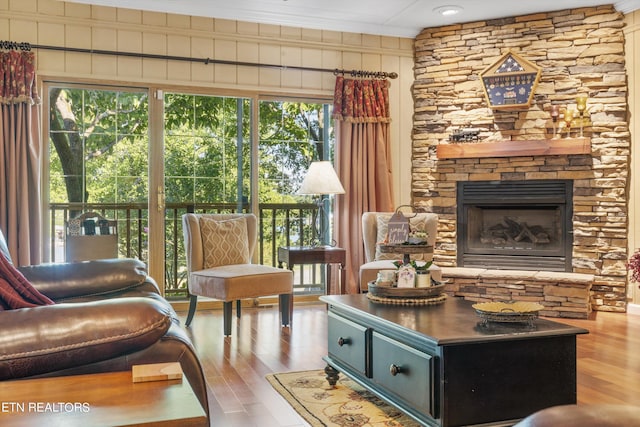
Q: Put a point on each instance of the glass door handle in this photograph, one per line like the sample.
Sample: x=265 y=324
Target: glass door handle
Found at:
x=161 y=199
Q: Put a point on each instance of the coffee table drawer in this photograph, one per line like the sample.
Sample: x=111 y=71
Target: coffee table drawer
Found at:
x=347 y=342
x=404 y=371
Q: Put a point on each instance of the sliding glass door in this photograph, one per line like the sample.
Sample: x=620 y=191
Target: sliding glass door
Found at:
x=97 y=161
x=207 y=166
x=144 y=157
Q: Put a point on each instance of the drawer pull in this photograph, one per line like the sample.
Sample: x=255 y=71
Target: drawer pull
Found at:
x=343 y=341
x=394 y=370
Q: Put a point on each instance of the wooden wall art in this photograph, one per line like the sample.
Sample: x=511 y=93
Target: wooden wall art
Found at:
x=510 y=82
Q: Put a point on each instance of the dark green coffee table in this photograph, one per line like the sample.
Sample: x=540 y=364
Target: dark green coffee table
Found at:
x=443 y=367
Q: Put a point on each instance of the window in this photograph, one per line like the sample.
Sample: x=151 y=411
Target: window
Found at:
x=99 y=155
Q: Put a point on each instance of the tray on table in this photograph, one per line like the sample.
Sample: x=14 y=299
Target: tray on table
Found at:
x=508 y=311
x=406 y=249
x=413 y=296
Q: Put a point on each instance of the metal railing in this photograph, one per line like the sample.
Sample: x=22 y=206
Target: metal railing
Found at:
x=279 y=225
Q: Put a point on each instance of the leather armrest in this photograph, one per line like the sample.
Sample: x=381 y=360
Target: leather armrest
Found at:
x=49 y=338
x=90 y=278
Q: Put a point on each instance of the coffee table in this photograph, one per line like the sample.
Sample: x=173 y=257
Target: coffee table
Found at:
x=441 y=365
x=108 y=399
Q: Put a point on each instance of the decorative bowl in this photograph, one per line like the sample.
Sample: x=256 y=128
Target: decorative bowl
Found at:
x=508 y=312
x=508 y=308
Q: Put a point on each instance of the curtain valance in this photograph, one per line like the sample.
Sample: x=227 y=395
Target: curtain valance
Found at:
x=361 y=101
x=17 y=78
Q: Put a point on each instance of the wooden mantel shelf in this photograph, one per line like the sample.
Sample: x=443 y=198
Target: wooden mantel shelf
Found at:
x=538 y=147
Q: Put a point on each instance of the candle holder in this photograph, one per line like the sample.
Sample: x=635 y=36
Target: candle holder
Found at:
x=568 y=118
x=555 y=113
x=581 y=106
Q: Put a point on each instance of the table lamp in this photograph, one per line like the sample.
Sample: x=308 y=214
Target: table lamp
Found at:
x=321 y=179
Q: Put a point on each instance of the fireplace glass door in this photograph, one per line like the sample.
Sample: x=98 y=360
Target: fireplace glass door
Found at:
x=515 y=225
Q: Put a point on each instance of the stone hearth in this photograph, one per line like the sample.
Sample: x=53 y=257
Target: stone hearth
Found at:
x=579 y=51
x=562 y=294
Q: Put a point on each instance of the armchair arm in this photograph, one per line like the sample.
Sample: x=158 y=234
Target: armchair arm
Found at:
x=44 y=339
x=78 y=280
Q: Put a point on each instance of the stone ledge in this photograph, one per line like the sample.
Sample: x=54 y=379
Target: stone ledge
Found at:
x=562 y=294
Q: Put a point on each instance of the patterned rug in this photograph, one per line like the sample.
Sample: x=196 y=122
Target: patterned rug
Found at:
x=347 y=405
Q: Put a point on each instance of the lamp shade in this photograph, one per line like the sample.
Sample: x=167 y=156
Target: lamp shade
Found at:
x=321 y=178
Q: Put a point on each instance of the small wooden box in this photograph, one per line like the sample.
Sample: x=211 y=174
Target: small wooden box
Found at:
x=156 y=372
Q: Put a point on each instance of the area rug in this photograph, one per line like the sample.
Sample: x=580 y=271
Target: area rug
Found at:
x=345 y=405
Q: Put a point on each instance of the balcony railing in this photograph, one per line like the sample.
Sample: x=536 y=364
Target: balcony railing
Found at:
x=279 y=225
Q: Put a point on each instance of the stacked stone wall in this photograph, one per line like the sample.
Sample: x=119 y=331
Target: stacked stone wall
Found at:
x=579 y=51
x=561 y=294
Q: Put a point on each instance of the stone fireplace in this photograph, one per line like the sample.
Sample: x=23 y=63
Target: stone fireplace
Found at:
x=519 y=225
x=580 y=51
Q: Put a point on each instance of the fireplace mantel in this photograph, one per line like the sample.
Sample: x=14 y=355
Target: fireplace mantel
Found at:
x=537 y=147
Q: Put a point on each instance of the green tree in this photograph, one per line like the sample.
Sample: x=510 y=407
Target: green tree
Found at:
x=85 y=128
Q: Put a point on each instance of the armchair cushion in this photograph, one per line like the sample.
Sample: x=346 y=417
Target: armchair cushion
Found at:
x=69 y=335
x=224 y=241
x=232 y=282
x=15 y=290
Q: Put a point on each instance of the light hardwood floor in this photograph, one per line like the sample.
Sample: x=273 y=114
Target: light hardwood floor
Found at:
x=235 y=367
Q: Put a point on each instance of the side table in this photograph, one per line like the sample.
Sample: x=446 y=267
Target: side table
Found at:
x=292 y=255
x=106 y=399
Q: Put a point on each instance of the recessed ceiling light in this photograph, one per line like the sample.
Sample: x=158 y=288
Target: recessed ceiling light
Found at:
x=448 y=10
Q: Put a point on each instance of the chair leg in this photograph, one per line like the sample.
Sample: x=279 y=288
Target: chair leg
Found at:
x=238 y=308
x=286 y=308
x=227 y=308
x=192 y=309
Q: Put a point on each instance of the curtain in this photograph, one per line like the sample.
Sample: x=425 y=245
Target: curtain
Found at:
x=20 y=205
x=363 y=163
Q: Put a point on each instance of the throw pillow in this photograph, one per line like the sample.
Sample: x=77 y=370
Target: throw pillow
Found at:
x=224 y=242
x=15 y=290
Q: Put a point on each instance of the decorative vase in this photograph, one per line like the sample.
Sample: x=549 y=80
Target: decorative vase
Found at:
x=423 y=279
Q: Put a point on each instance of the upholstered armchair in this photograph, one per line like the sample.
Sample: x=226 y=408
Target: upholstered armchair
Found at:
x=374 y=231
x=219 y=249
x=107 y=316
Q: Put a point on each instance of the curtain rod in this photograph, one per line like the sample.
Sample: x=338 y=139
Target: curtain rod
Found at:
x=24 y=46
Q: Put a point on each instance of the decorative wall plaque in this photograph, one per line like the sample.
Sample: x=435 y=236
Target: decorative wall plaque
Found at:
x=510 y=82
x=398 y=228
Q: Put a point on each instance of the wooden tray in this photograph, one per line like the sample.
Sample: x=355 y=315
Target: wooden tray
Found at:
x=391 y=292
x=406 y=249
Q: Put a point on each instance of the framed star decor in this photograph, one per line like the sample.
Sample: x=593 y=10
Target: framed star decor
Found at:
x=510 y=82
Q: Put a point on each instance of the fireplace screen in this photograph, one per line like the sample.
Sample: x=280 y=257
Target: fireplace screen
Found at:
x=516 y=225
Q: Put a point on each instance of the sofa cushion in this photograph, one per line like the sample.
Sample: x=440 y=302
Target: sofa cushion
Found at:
x=63 y=336
x=224 y=242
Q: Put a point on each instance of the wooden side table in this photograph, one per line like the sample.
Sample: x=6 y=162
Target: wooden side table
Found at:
x=292 y=255
x=108 y=399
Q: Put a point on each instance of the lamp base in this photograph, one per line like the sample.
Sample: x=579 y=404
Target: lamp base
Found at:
x=320 y=228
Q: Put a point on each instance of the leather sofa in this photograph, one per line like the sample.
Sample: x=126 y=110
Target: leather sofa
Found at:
x=108 y=316
x=584 y=416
